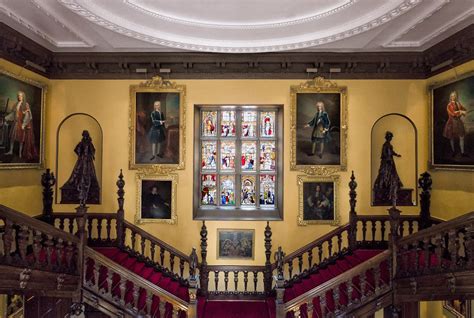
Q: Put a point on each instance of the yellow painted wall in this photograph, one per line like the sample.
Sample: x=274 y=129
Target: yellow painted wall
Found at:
x=108 y=102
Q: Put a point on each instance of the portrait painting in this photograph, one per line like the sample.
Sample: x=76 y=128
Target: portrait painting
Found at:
x=318 y=200
x=235 y=244
x=22 y=103
x=157 y=127
x=318 y=127
x=156 y=199
x=452 y=124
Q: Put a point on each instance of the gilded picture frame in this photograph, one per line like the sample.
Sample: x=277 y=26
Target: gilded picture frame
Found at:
x=452 y=123
x=28 y=141
x=156 y=199
x=318 y=200
x=157 y=149
x=318 y=143
x=233 y=244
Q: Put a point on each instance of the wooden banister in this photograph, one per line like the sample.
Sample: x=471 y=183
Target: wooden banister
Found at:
x=100 y=280
x=21 y=218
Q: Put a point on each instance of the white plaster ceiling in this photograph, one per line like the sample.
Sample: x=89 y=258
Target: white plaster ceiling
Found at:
x=237 y=26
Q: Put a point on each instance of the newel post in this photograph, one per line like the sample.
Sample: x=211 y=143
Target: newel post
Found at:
x=268 y=264
x=81 y=221
x=280 y=282
x=352 y=213
x=192 y=290
x=48 y=181
x=204 y=274
x=120 y=211
x=425 y=182
x=394 y=218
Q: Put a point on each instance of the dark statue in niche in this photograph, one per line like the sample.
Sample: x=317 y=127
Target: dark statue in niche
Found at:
x=83 y=173
x=388 y=186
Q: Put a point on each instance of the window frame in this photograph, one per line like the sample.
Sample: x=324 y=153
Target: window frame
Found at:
x=234 y=212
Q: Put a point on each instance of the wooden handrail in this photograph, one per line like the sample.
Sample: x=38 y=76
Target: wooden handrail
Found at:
x=295 y=303
x=155 y=240
x=136 y=279
x=316 y=242
x=460 y=221
x=21 y=218
x=236 y=268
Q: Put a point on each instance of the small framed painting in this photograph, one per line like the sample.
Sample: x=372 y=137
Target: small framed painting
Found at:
x=156 y=199
x=157 y=125
x=318 y=200
x=318 y=127
x=235 y=244
x=22 y=112
x=452 y=124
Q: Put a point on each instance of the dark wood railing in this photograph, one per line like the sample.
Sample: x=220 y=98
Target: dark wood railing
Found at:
x=448 y=246
x=362 y=283
x=30 y=243
x=125 y=289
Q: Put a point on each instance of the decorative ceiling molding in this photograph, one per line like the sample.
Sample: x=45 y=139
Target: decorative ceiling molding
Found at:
x=458 y=48
x=44 y=35
x=284 y=23
x=229 y=46
x=437 y=32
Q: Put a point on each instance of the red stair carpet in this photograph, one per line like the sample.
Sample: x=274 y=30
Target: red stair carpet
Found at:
x=141 y=269
x=236 y=309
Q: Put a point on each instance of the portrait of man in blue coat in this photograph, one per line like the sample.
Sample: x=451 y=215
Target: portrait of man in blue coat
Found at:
x=320 y=124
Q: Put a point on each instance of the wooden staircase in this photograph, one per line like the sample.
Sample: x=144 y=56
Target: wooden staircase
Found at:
x=100 y=261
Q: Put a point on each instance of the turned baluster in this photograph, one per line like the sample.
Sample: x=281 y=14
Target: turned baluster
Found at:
x=374 y=229
x=297 y=313
x=405 y=252
x=133 y=240
x=175 y=313
x=336 y=297
x=382 y=231
x=95 y=274
x=162 y=308
x=322 y=302
x=339 y=243
x=172 y=256
x=181 y=267
x=142 y=245
x=438 y=242
x=152 y=251
x=320 y=253
x=226 y=280
x=410 y=227
x=71 y=225
x=246 y=280
x=364 y=231
x=350 y=290
x=363 y=284
x=99 y=229
x=89 y=228
x=69 y=256
x=162 y=256
x=23 y=237
x=300 y=263
x=402 y=228
x=135 y=293
x=59 y=253
x=377 y=284
x=426 y=254
x=216 y=280
x=330 y=248
x=416 y=259
x=148 y=302
x=310 y=258
x=255 y=280
x=309 y=308
x=236 y=280
x=61 y=224
x=290 y=267
x=109 y=281
x=49 y=251
x=108 y=228
x=453 y=247
x=37 y=238
x=123 y=290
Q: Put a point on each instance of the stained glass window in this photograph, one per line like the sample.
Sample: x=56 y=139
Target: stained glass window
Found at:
x=239 y=161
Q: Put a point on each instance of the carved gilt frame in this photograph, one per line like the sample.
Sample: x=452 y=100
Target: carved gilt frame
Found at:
x=157 y=85
x=334 y=179
x=318 y=85
x=41 y=146
x=173 y=178
x=219 y=231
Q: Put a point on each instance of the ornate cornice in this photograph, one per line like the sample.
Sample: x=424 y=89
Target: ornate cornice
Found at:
x=457 y=49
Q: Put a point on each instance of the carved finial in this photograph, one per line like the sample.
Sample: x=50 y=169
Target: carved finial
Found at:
x=193 y=263
x=120 y=191
x=48 y=181
x=203 y=234
x=425 y=183
x=352 y=192
x=268 y=242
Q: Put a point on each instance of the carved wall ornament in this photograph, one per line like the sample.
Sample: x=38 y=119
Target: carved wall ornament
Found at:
x=25 y=277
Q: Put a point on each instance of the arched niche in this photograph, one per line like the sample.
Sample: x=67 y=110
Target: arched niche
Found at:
x=69 y=134
x=405 y=143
